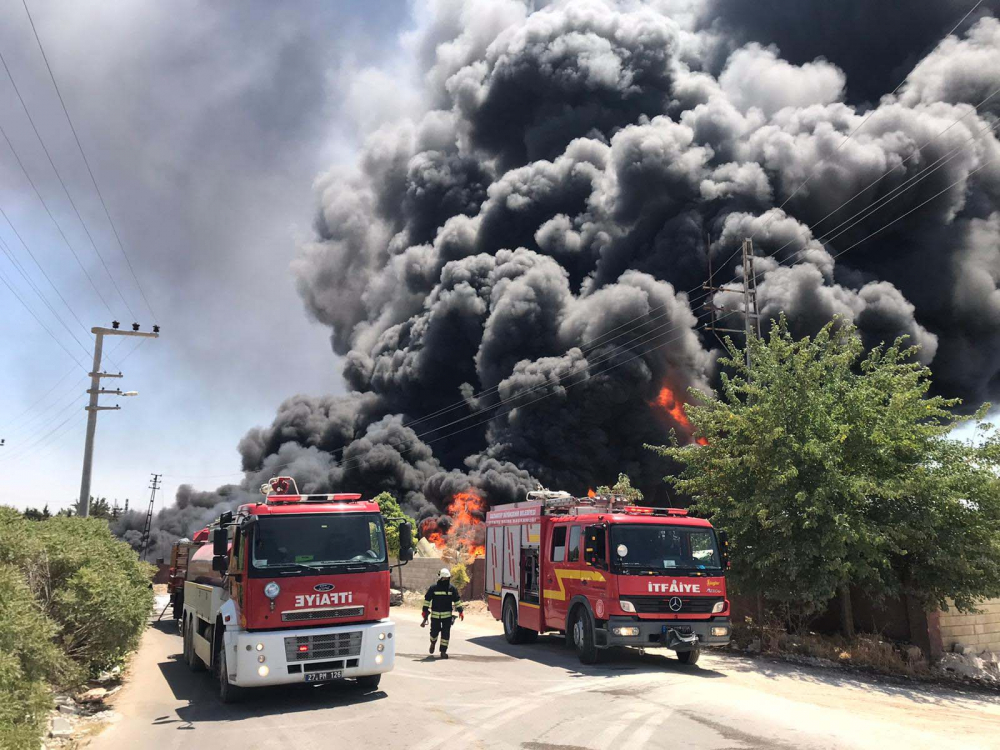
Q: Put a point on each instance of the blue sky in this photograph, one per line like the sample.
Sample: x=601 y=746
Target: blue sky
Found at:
x=205 y=126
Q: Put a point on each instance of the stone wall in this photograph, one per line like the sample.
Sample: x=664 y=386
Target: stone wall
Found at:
x=981 y=632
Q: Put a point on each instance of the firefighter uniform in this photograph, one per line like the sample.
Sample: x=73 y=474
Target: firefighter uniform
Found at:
x=441 y=603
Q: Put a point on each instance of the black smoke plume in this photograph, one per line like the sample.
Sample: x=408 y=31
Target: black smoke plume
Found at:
x=532 y=233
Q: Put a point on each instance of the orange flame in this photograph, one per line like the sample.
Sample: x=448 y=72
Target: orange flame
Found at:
x=465 y=534
x=591 y=493
x=667 y=401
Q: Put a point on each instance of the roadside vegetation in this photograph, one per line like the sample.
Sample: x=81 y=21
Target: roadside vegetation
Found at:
x=833 y=468
x=73 y=604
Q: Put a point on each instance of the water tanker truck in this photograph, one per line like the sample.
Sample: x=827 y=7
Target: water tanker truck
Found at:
x=292 y=589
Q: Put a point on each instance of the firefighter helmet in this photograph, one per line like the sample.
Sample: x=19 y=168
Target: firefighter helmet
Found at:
x=445 y=573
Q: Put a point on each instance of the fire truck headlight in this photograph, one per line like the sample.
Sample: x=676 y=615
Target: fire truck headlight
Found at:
x=720 y=632
x=381 y=636
x=719 y=607
x=626 y=606
x=272 y=590
x=263 y=671
x=260 y=647
x=381 y=647
x=627 y=631
x=379 y=658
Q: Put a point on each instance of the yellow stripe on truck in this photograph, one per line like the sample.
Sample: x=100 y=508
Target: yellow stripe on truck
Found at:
x=573 y=575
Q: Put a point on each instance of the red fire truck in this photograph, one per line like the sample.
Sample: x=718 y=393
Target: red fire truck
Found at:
x=292 y=589
x=606 y=573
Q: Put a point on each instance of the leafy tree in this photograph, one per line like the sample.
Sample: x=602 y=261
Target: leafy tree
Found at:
x=393 y=514
x=33 y=514
x=829 y=467
x=624 y=488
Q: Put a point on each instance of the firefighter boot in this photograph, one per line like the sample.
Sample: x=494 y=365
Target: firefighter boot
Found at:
x=433 y=644
x=444 y=649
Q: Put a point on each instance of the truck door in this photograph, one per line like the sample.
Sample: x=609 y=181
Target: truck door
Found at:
x=595 y=570
x=555 y=571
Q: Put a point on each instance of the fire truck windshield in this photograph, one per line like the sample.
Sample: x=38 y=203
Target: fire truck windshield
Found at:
x=313 y=540
x=647 y=547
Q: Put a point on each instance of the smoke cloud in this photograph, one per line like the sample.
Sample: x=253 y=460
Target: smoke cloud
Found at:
x=505 y=273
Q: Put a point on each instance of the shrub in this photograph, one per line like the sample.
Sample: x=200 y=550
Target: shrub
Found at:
x=459 y=576
x=28 y=660
x=97 y=590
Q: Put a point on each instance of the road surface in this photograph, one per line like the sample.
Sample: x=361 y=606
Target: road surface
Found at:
x=539 y=697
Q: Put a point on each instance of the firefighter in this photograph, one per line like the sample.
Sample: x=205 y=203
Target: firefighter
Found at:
x=440 y=604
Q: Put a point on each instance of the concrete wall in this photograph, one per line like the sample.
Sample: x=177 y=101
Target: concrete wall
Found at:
x=422 y=572
x=981 y=632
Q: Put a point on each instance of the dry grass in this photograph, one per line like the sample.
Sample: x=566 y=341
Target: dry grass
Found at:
x=865 y=650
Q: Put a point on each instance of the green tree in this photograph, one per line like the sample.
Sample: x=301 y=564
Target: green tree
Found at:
x=830 y=467
x=393 y=514
x=33 y=514
x=624 y=488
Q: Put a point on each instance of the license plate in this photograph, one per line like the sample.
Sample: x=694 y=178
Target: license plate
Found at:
x=323 y=676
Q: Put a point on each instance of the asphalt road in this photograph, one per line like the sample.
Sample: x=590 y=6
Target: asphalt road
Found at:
x=539 y=697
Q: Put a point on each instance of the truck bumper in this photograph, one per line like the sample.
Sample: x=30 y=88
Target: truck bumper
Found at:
x=350 y=650
x=679 y=635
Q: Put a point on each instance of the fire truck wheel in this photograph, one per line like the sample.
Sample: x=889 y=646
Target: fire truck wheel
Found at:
x=228 y=693
x=689 y=657
x=369 y=682
x=513 y=632
x=194 y=661
x=583 y=636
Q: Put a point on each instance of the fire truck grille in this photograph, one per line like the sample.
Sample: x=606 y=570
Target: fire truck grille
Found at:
x=322 y=614
x=693 y=605
x=327 y=646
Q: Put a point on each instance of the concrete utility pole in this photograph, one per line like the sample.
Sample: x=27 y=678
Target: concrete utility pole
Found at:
x=751 y=313
x=83 y=508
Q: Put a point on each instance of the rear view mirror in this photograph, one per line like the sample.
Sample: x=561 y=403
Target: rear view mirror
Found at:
x=220 y=549
x=405 y=541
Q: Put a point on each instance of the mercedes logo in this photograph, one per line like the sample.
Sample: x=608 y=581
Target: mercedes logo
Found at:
x=675 y=604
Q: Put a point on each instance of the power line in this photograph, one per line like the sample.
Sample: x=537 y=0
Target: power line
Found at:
x=72 y=203
x=38 y=320
x=567 y=385
x=815 y=169
x=39 y=266
x=73 y=393
x=90 y=171
x=34 y=287
x=39 y=400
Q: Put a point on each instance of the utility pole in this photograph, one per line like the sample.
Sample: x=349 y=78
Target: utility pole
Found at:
x=751 y=313
x=92 y=408
x=154 y=485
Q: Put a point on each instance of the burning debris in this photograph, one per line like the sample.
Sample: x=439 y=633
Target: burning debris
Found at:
x=461 y=535
x=503 y=272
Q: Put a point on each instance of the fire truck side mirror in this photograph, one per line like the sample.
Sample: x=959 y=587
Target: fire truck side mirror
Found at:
x=220 y=550
x=405 y=542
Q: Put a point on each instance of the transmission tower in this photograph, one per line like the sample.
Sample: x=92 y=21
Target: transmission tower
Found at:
x=154 y=485
x=751 y=313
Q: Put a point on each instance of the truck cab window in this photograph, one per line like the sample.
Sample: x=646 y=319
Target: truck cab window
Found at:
x=558 y=544
x=573 y=555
